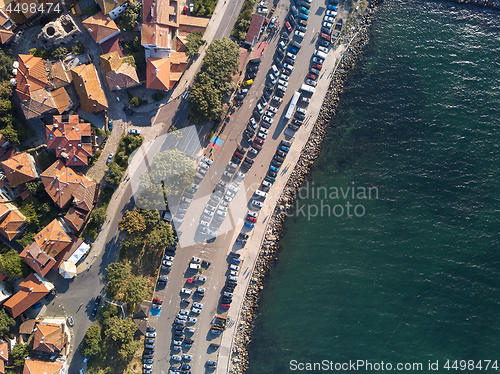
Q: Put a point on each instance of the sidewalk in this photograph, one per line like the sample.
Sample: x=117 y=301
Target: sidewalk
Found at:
x=255 y=243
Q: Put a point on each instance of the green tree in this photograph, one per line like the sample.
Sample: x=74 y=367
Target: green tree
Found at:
x=194 y=43
x=106 y=312
x=136 y=291
x=121 y=332
x=98 y=216
x=131 y=15
x=160 y=237
x=134 y=101
x=34 y=187
x=10 y=133
x=19 y=354
x=11 y=264
x=59 y=53
x=205 y=100
x=132 y=222
x=172 y=170
x=6 y=322
x=220 y=62
x=137 y=51
x=91 y=345
x=6 y=61
x=115 y=173
x=117 y=276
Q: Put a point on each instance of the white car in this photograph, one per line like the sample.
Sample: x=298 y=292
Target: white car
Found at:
x=110 y=158
x=287 y=66
x=176 y=358
x=206 y=160
x=223 y=203
x=186 y=291
x=151 y=335
x=273 y=109
x=329 y=19
x=184 y=312
x=282 y=45
x=202 y=165
x=283 y=83
x=168 y=258
x=331 y=13
x=234 y=189
x=318 y=60
x=269 y=114
x=198 y=305
x=291 y=56
x=283 y=77
x=210 y=207
x=252 y=123
x=228 y=294
x=277 y=99
x=228 y=174
x=252 y=150
x=196 y=310
x=233 y=273
x=181 y=317
x=300 y=34
x=202 y=279
x=229 y=193
x=177 y=342
x=222 y=209
x=221 y=213
x=257 y=203
x=262 y=135
x=328 y=25
x=191 y=329
x=240 y=175
x=323 y=49
x=252 y=214
x=196 y=260
x=208 y=213
x=264 y=131
x=234 y=267
x=187 y=357
x=192 y=319
x=272 y=79
x=268 y=120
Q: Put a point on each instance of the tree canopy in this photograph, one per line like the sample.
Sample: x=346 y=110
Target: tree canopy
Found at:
x=194 y=43
x=132 y=222
x=6 y=322
x=11 y=264
x=91 y=345
x=205 y=100
x=131 y=15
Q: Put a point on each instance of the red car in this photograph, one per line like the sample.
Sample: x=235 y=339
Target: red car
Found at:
x=256 y=146
x=288 y=26
x=311 y=76
x=317 y=66
x=238 y=154
x=157 y=301
x=191 y=280
x=324 y=36
x=259 y=140
x=225 y=306
x=252 y=219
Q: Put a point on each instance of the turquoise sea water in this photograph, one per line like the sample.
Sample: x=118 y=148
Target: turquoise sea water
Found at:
x=417 y=277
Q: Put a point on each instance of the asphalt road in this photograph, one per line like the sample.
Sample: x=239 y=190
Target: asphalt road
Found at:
x=217 y=252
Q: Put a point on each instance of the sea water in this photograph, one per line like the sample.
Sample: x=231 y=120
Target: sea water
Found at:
x=412 y=276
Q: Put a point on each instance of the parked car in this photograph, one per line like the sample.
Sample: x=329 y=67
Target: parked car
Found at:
x=134 y=132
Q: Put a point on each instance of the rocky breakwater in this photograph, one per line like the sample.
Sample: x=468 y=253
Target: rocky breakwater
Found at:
x=355 y=39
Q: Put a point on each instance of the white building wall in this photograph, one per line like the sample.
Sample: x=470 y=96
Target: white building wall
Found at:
x=118 y=11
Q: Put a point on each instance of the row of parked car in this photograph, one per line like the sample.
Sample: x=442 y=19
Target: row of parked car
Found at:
x=231 y=282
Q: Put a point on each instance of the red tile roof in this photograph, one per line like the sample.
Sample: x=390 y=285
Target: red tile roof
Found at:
x=64 y=184
x=50 y=338
x=119 y=73
x=53 y=238
x=32 y=290
x=164 y=12
x=4 y=351
x=89 y=89
x=34 y=366
x=112 y=45
x=100 y=27
x=37 y=259
x=71 y=140
x=164 y=73
x=20 y=168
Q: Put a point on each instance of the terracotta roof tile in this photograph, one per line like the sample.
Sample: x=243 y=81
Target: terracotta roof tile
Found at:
x=119 y=73
x=164 y=73
x=76 y=218
x=71 y=141
x=34 y=366
x=27 y=326
x=100 y=27
x=63 y=184
x=4 y=351
x=20 y=168
x=112 y=45
x=32 y=290
x=37 y=259
x=52 y=239
x=50 y=338
x=89 y=89
x=154 y=34
x=164 y=12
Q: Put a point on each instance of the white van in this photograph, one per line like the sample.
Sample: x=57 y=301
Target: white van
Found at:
x=275 y=70
x=320 y=54
x=267 y=184
x=261 y=193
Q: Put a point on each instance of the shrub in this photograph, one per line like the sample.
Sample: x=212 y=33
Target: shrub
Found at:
x=134 y=101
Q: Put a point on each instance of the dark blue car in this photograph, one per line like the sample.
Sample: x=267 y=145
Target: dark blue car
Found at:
x=292 y=50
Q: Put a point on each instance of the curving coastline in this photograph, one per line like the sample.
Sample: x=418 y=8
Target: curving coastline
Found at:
x=356 y=39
